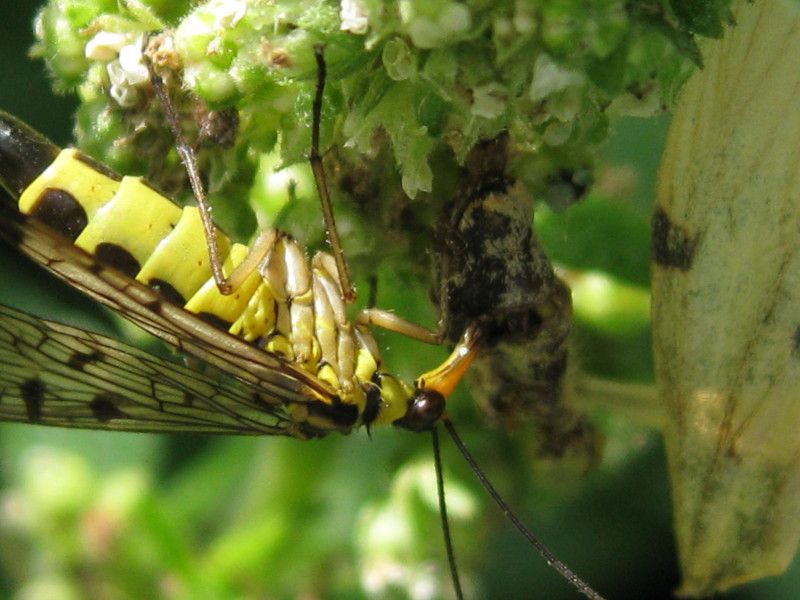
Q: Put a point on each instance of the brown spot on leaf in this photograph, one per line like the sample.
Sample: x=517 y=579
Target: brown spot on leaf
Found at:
x=673 y=245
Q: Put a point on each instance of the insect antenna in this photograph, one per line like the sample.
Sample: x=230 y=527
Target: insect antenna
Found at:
x=448 y=539
x=551 y=559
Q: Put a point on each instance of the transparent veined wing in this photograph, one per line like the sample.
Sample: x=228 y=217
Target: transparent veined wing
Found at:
x=58 y=375
x=277 y=381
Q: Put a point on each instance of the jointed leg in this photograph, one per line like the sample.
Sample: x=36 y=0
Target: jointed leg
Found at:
x=348 y=292
x=390 y=321
x=189 y=160
x=265 y=240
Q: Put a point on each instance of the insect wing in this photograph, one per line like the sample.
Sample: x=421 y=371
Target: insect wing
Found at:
x=276 y=382
x=54 y=374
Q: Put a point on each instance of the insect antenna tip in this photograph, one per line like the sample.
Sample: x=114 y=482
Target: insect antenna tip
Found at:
x=550 y=558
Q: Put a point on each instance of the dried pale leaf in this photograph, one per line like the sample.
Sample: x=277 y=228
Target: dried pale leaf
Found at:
x=726 y=303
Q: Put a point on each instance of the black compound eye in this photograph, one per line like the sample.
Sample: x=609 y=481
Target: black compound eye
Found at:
x=424 y=412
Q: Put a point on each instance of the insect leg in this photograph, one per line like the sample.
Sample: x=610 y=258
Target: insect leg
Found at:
x=388 y=320
x=264 y=241
x=336 y=335
x=444 y=378
x=189 y=160
x=261 y=247
x=348 y=292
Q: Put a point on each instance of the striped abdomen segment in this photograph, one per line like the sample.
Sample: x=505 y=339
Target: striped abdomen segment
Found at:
x=285 y=305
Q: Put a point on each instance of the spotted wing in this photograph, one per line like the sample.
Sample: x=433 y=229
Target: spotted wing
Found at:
x=278 y=382
x=58 y=375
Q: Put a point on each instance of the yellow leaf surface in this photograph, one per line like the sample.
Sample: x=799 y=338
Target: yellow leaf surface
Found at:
x=726 y=303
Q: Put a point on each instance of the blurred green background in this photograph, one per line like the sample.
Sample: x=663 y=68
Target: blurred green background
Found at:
x=108 y=515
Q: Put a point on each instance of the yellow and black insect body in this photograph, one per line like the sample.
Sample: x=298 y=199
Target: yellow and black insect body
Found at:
x=303 y=368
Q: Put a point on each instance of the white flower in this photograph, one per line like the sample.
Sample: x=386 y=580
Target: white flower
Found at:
x=127 y=73
x=105 y=45
x=353 y=17
x=489 y=100
x=549 y=78
x=132 y=63
x=229 y=12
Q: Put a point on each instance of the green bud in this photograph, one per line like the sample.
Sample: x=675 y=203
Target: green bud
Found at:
x=398 y=60
x=212 y=84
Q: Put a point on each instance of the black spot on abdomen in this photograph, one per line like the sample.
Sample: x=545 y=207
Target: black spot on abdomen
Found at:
x=60 y=210
x=374 y=401
x=214 y=321
x=116 y=256
x=167 y=291
x=340 y=414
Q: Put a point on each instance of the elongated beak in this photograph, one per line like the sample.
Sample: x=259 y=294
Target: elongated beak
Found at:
x=444 y=378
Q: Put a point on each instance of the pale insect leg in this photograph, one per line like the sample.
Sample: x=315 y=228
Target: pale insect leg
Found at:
x=263 y=243
x=388 y=320
x=259 y=252
x=286 y=273
x=325 y=324
x=273 y=273
x=443 y=378
x=363 y=334
x=325 y=277
x=299 y=294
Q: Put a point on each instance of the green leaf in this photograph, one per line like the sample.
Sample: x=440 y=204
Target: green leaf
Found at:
x=704 y=17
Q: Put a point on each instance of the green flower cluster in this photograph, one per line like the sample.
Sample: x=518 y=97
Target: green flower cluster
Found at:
x=429 y=77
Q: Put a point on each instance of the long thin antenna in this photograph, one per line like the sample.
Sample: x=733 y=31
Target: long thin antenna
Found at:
x=548 y=556
x=448 y=540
